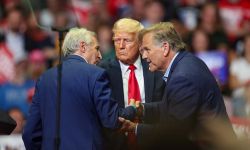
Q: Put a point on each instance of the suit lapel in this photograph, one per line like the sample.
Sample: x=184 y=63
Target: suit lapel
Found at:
x=148 y=81
x=181 y=54
x=116 y=79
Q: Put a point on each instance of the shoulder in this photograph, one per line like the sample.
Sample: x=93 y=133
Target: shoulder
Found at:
x=180 y=80
x=106 y=64
x=190 y=62
x=190 y=68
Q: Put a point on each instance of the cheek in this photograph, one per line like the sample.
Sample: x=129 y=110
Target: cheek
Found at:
x=150 y=56
x=116 y=47
x=132 y=50
x=154 y=57
x=96 y=54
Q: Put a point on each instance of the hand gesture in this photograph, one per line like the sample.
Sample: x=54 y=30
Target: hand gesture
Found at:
x=139 y=107
x=127 y=126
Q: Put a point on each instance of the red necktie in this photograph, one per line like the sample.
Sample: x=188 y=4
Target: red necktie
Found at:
x=133 y=87
x=133 y=97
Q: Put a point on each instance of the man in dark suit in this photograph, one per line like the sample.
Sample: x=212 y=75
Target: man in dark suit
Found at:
x=86 y=104
x=192 y=104
x=151 y=85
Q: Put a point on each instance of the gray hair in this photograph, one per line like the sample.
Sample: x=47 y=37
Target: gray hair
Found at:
x=73 y=38
x=164 y=32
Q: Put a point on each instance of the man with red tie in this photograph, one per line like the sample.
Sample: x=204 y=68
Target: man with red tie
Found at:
x=131 y=81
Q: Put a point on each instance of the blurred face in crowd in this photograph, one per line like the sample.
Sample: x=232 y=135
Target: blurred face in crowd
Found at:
x=158 y=12
x=61 y=20
x=14 y=20
x=247 y=47
x=37 y=63
x=104 y=34
x=200 y=41
x=209 y=14
x=126 y=47
x=93 y=54
x=153 y=53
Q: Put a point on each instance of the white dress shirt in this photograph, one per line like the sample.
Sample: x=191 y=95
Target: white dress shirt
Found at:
x=139 y=76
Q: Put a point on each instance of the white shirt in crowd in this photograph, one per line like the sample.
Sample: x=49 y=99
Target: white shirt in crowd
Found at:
x=240 y=68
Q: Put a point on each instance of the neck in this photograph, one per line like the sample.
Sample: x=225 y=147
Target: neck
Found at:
x=131 y=61
x=168 y=59
x=81 y=55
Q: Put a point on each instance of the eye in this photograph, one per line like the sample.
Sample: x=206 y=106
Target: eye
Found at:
x=141 y=50
x=146 y=49
x=97 y=48
x=128 y=40
x=117 y=40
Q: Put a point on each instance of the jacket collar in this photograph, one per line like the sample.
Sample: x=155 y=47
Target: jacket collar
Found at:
x=181 y=54
x=75 y=57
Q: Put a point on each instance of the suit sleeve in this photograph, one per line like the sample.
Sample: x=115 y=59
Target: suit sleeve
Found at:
x=107 y=108
x=177 y=113
x=32 y=134
x=184 y=98
x=151 y=111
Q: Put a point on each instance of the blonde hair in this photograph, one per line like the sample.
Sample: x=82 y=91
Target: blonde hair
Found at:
x=164 y=32
x=127 y=25
x=73 y=38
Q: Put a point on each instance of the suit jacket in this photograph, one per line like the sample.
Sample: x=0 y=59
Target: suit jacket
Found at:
x=154 y=88
x=86 y=107
x=191 y=99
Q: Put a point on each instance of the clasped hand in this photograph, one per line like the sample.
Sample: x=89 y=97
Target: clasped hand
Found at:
x=129 y=126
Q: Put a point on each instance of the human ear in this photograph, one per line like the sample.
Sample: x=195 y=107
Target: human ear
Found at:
x=166 y=48
x=82 y=47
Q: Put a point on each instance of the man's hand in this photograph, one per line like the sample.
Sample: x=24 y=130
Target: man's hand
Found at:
x=127 y=126
x=139 y=110
x=139 y=107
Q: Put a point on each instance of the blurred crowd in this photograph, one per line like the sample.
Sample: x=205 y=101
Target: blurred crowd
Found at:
x=217 y=31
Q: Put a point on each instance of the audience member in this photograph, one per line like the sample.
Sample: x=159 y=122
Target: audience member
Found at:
x=240 y=81
x=150 y=18
x=15 y=92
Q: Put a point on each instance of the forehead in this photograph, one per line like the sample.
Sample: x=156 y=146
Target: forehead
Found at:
x=124 y=35
x=95 y=41
x=147 y=39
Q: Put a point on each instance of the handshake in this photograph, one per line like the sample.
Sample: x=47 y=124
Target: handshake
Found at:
x=134 y=114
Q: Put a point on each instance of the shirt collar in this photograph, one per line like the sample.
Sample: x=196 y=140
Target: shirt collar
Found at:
x=124 y=67
x=83 y=58
x=165 y=77
x=75 y=56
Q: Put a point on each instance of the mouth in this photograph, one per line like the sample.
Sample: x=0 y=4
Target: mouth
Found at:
x=97 y=61
x=122 y=53
x=149 y=61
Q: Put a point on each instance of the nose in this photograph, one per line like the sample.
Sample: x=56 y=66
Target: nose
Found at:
x=122 y=44
x=99 y=55
x=144 y=55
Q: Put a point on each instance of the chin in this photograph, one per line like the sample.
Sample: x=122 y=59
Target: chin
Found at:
x=125 y=61
x=152 y=69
